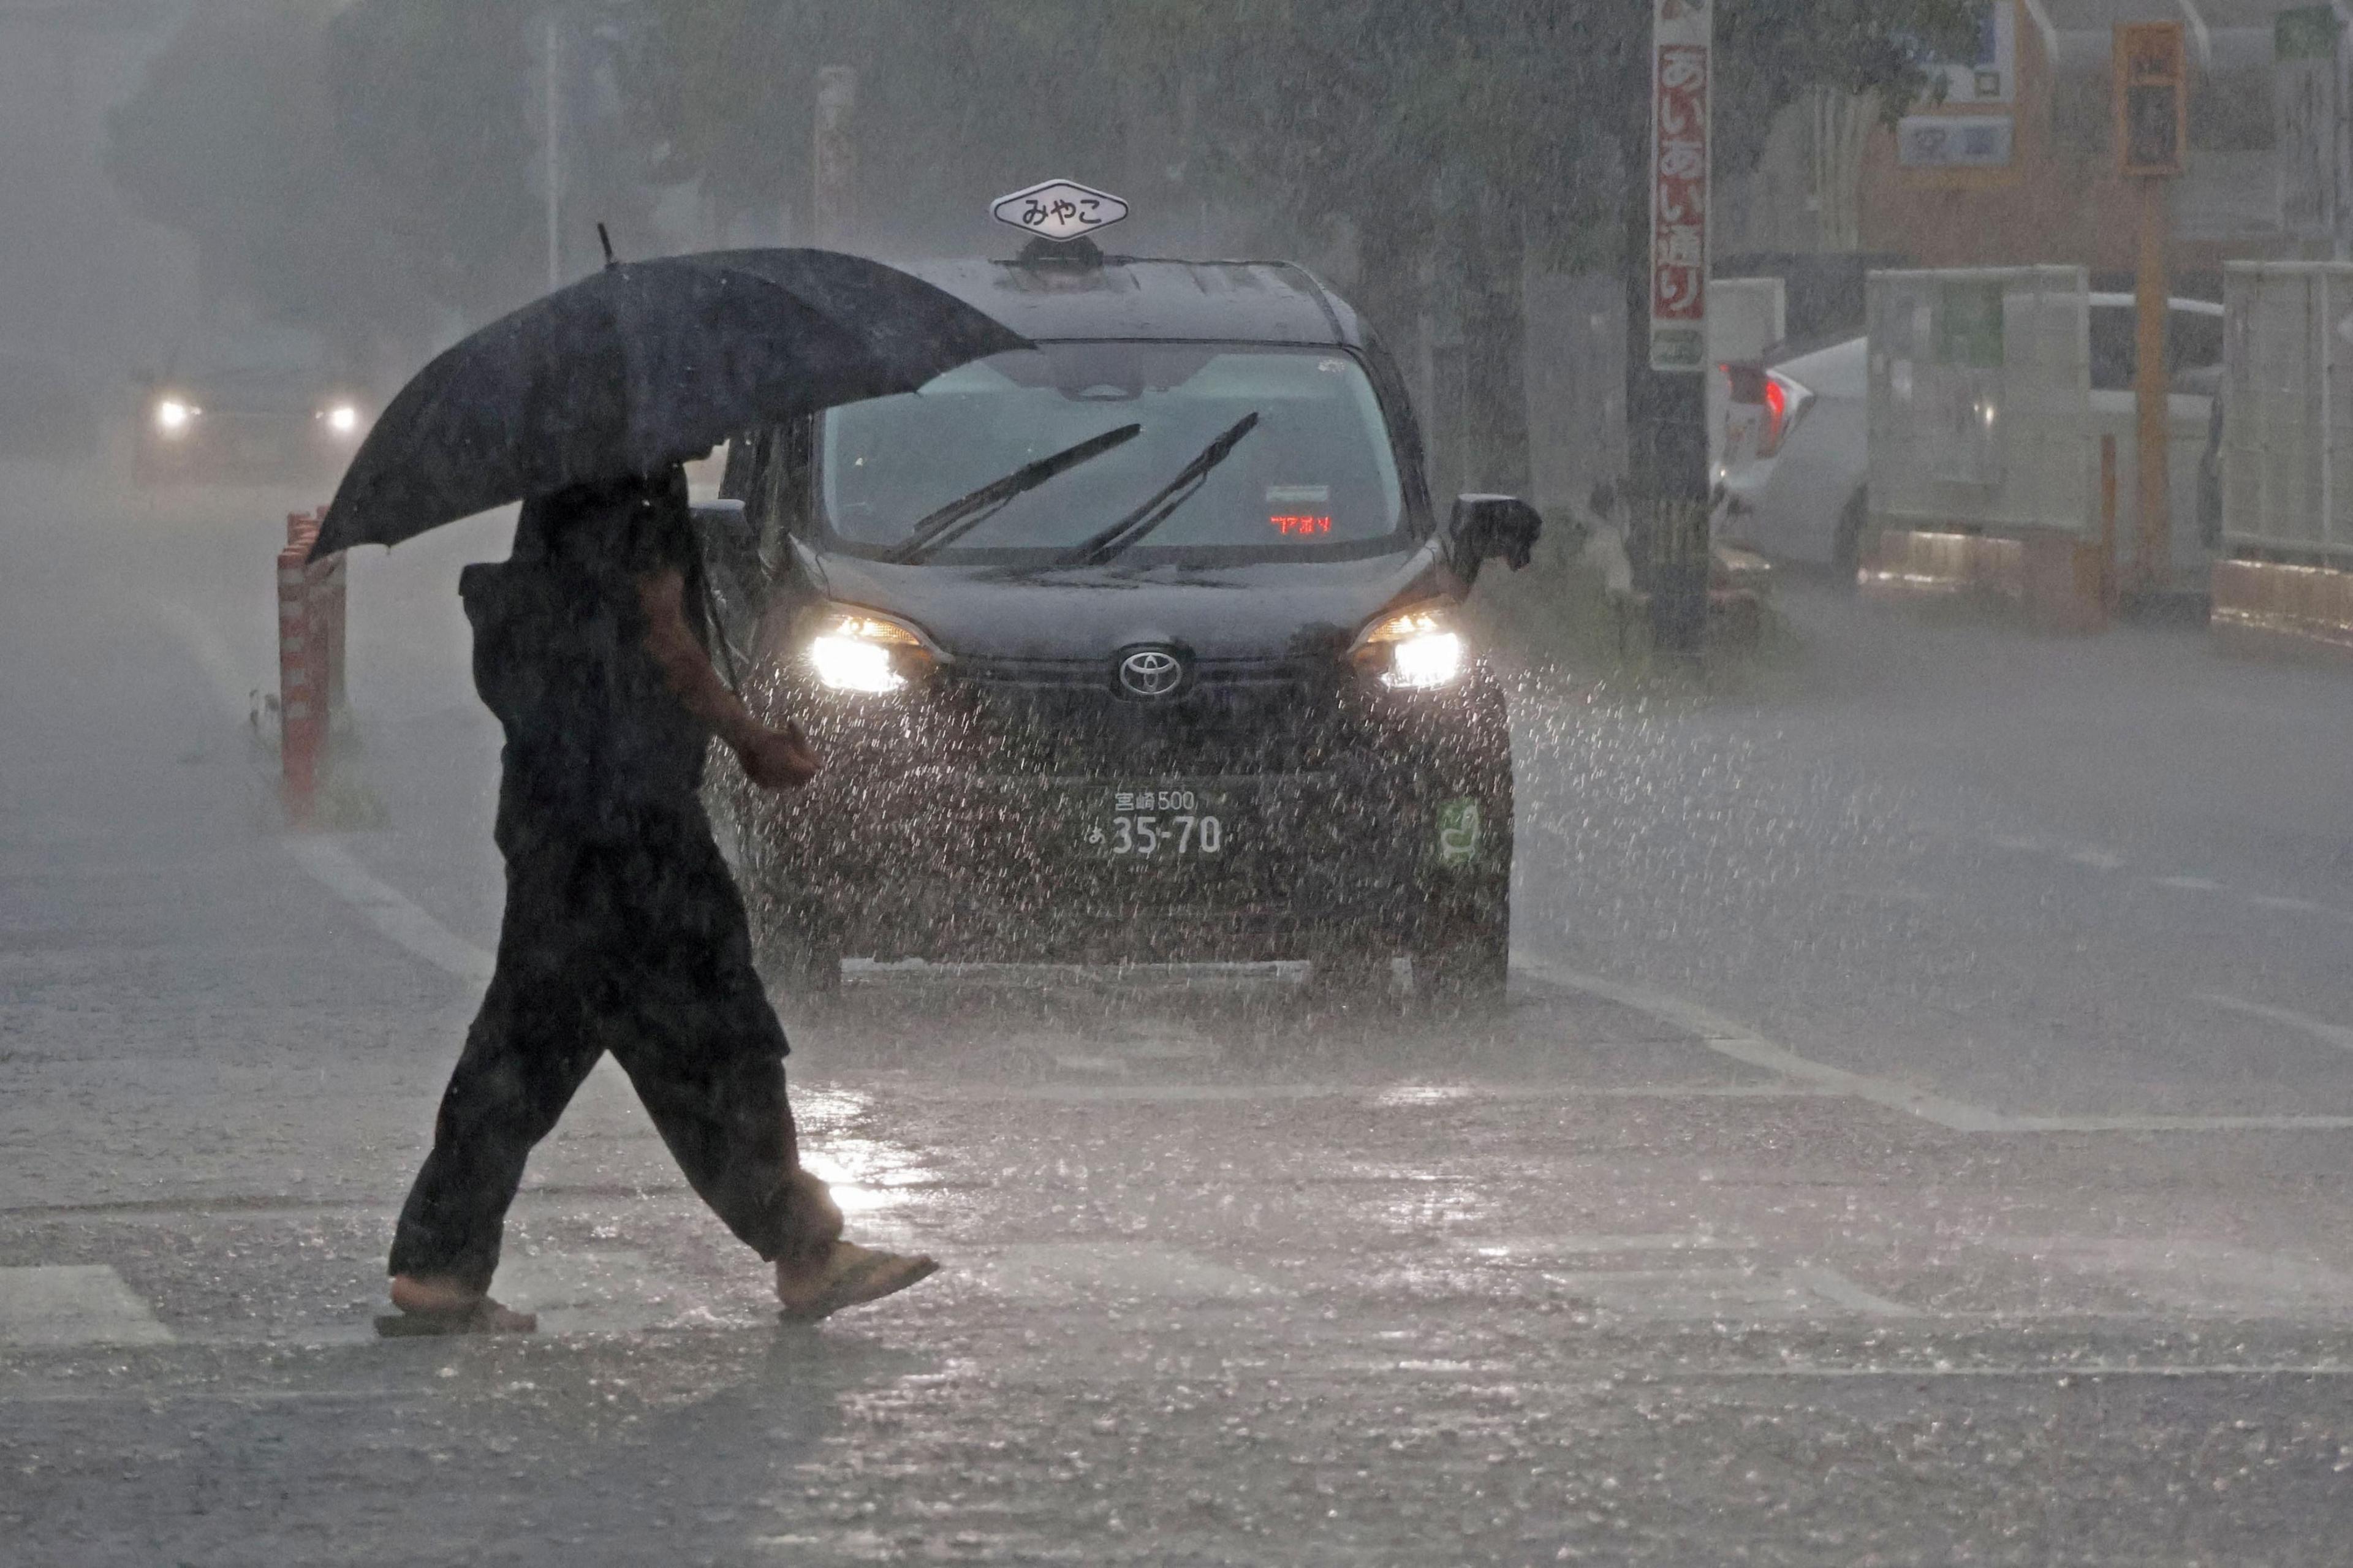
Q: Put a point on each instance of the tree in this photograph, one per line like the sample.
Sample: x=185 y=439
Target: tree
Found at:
x=955 y=102
x=1446 y=139
x=384 y=166
x=432 y=101
x=373 y=169
x=1456 y=134
x=230 y=140
x=441 y=102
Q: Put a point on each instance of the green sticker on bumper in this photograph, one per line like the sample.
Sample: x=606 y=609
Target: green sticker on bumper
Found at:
x=1459 y=833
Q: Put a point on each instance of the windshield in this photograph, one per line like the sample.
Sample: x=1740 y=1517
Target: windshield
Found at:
x=1314 y=475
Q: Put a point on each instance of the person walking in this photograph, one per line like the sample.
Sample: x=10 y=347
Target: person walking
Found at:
x=623 y=931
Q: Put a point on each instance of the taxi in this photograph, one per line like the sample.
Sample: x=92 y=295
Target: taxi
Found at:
x=1142 y=645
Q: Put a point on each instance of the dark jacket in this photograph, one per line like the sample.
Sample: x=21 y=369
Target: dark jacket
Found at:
x=596 y=743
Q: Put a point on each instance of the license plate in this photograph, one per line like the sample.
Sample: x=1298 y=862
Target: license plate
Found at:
x=1172 y=824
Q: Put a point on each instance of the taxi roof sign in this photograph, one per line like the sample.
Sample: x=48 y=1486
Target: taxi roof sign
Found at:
x=1059 y=209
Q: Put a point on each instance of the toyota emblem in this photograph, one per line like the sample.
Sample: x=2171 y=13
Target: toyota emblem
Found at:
x=1151 y=672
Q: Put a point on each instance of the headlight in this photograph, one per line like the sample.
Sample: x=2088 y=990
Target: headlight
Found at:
x=174 y=416
x=343 y=418
x=855 y=650
x=1416 y=650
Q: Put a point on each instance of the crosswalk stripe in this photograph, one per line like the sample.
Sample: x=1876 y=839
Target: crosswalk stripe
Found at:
x=65 y=1304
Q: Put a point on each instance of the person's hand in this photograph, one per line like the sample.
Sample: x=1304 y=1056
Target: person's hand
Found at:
x=779 y=759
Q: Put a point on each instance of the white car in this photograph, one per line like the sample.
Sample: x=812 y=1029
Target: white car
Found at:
x=1795 y=452
x=1797 y=447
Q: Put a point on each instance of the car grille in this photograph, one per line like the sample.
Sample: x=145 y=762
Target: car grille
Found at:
x=1066 y=720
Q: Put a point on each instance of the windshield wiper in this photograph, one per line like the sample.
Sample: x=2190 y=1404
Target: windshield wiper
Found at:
x=937 y=529
x=1162 y=503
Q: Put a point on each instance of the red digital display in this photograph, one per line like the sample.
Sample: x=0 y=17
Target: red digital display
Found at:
x=1300 y=523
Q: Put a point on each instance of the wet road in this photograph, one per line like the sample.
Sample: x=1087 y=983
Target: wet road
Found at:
x=1919 y=1134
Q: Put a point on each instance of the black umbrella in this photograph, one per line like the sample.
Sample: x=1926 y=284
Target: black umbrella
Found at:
x=645 y=364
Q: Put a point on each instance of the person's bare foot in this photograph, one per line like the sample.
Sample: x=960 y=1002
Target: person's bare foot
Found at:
x=430 y=1306
x=850 y=1275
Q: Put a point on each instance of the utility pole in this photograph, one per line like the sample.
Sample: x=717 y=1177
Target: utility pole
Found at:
x=2151 y=68
x=1666 y=405
x=552 y=136
x=834 y=159
x=2152 y=392
x=1448 y=435
x=1495 y=334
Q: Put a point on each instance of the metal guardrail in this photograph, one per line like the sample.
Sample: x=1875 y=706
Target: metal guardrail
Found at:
x=1980 y=399
x=2287 y=424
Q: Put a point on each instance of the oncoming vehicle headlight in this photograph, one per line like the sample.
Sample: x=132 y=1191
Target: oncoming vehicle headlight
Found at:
x=1414 y=650
x=174 y=416
x=856 y=650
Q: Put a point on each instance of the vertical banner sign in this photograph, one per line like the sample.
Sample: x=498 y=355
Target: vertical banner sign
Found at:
x=1681 y=32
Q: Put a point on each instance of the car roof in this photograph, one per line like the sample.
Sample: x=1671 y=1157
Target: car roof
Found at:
x=1834 y=368
x=1152 y=298
x=1783 y=354
x=2102 y=301
x=1789 y=350
x=1845 y=349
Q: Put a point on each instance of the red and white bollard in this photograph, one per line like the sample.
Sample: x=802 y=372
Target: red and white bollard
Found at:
x=310 y=605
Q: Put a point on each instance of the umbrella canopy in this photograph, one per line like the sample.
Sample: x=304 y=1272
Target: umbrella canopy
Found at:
x=645 y=364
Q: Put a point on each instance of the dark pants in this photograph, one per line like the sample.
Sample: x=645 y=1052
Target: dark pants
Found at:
x=638 y=947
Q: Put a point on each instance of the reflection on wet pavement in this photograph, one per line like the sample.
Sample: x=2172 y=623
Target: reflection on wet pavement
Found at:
x=1235 y=1024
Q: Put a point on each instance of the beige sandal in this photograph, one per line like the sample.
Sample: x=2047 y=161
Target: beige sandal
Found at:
x=856 y=1275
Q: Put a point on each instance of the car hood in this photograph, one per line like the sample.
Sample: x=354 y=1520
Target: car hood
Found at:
x=1263 y=610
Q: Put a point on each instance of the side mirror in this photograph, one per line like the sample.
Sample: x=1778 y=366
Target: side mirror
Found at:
x=1486 y=528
